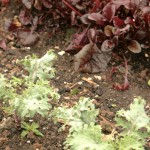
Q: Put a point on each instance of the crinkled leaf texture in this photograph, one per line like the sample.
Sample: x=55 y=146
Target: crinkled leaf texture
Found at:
x=6 y=90
x=132 y=121
x=92 y=59
x=136 y=116
x=34 y=99
x=87 y=137
x=129 y=142
x=40 y=68
x=83 y=112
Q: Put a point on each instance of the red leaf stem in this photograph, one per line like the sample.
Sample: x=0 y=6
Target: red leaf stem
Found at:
x=72 y=8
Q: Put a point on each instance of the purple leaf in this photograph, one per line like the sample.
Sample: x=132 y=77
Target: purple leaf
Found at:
x=118 y=22
x=82 y=57
x=134 y=46
x=79 y=40
x=91 y=59
x=27 y=38
x=3 y=44
x=97 y=17
x=109 y=11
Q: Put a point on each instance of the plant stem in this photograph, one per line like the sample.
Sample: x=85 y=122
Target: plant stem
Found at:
x=72 y=8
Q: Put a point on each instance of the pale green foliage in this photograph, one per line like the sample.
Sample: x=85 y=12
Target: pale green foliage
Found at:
x=35 y=93
x=84 y=134
x=6 y=90
x=34 y=99
x=30 y=128
x=40 y=68
x=83 y=112
x=88 y=137
x=128 y=142
x=136 y=116
x=132 y=121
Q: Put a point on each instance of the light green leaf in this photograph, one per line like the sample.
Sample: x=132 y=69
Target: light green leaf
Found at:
x=83 y=112
x=129 y=142
x=24 y=133
x=34 y=99
x=40 y=68
x=33 y=127
x=88 y=137
x=136 y=115
x=37 y=132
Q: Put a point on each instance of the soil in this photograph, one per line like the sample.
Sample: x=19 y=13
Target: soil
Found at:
x=107 y=99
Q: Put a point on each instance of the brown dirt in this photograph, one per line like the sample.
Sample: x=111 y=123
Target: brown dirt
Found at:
x=106 y=98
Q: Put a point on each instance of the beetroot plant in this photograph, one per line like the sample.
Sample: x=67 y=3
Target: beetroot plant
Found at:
x=110 y=26
x=105 y=27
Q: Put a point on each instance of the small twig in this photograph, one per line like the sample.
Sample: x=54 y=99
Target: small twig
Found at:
x=108 y=122
x=72 y=86
x=89 y=81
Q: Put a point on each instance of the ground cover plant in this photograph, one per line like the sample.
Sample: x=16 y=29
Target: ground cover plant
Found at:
x=25 y=97
x=85 y=133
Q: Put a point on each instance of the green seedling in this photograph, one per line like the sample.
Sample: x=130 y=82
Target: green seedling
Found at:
x=27 y=128
x=74 y=91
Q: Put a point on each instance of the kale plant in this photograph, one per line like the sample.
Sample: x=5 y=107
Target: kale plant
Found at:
x=25 y=97
x=86 y=134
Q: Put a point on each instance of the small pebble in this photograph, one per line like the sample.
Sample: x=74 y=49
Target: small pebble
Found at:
x=61 y=53
x=28 y=142
x=80 y=83
x=146 y=55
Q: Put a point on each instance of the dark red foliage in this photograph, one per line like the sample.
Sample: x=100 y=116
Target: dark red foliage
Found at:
x=105 y=26
x=115 y=22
